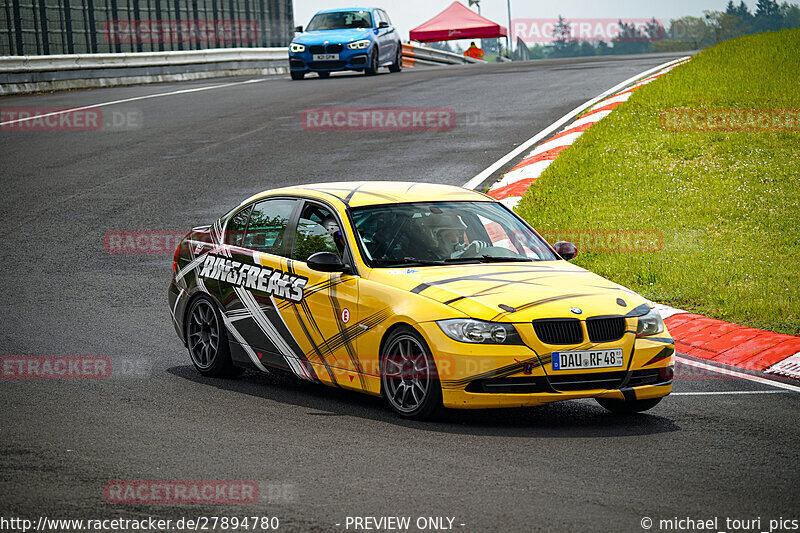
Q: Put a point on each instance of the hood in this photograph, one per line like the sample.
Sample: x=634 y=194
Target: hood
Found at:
x=343 y=36
x=518 y=292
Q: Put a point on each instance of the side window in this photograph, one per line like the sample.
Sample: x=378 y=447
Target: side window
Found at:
x=267 y=229
x=317 y=231
x=385 y=17
x=234 y=231
x=378 y=17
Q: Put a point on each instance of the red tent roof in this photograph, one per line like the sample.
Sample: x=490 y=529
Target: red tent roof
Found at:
x=457 y=22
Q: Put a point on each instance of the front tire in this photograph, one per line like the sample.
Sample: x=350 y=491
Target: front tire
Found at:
x=373 y=67
x=397 y=66
x=409 y=380
x=297 y=74
x=207 y=340
x=622 y=407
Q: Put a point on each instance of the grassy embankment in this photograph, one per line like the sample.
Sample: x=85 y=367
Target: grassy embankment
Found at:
x=726 y=203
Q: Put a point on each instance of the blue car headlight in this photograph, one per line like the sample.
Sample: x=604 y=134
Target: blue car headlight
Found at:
x=479 y=331
x=363 y=44
x=297 y=47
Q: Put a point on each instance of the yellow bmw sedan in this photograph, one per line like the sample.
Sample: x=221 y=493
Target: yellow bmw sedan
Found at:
x=431 y=296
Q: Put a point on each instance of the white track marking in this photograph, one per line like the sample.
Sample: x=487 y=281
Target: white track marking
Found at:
x=735 y=374
x=716 y=393
x=666 y=311
x=132 y=99
x=591 y=119
x=480 y=178
x=789 y=367
x=619 y=98
x=527 y=172
x=566 y=140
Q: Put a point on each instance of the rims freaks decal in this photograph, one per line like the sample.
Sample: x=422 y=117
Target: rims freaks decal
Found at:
x=274 y=282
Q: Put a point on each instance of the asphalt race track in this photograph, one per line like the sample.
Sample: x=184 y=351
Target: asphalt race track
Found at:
x=320 y=455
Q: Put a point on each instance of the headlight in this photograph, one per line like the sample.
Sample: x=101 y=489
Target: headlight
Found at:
x=359 y=45
x=295 y=47
x=479 y=332
x=649 y=324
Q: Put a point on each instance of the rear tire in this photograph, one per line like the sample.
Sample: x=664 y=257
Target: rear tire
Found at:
x=621 y=407
x=207 y=340
x=409 y=379
x=397 y=66
x=373 y=67
x=297 y=74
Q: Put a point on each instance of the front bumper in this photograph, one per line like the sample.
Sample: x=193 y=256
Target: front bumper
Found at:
x=478 y=376
x=348 y=60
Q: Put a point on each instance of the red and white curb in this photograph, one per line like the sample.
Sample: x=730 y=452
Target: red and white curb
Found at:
x=696 y=336
x=730 y=344
x=510 y=188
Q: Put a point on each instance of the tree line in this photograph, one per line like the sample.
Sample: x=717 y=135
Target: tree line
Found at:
x=685 y=33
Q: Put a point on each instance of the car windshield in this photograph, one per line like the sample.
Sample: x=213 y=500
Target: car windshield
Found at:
x=340 y=20
x=438 y=233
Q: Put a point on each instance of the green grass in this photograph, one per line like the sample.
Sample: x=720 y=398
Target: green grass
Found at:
x=727 y=204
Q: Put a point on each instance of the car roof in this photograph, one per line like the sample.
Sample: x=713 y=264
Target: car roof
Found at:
x=339 y=9
x=364 y=193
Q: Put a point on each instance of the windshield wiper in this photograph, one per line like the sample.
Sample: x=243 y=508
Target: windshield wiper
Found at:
x=407 y=261
x=499 y=259
x=464 y=260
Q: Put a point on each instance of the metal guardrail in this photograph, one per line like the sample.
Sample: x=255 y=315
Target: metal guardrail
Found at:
x=143 y=59
x=25 y=74
x=430 y=56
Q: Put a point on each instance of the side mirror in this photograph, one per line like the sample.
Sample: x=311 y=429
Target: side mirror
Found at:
x=383 y=24
x=566 y=250
x=326 y=262
x=298 y=29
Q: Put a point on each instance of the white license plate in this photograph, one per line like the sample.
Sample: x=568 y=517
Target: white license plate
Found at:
x=587 y=359
x=326 y=57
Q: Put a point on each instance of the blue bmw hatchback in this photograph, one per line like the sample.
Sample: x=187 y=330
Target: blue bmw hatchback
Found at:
x=361 y=39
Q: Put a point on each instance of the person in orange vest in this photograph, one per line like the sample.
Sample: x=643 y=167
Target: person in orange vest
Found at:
x=473 y=51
